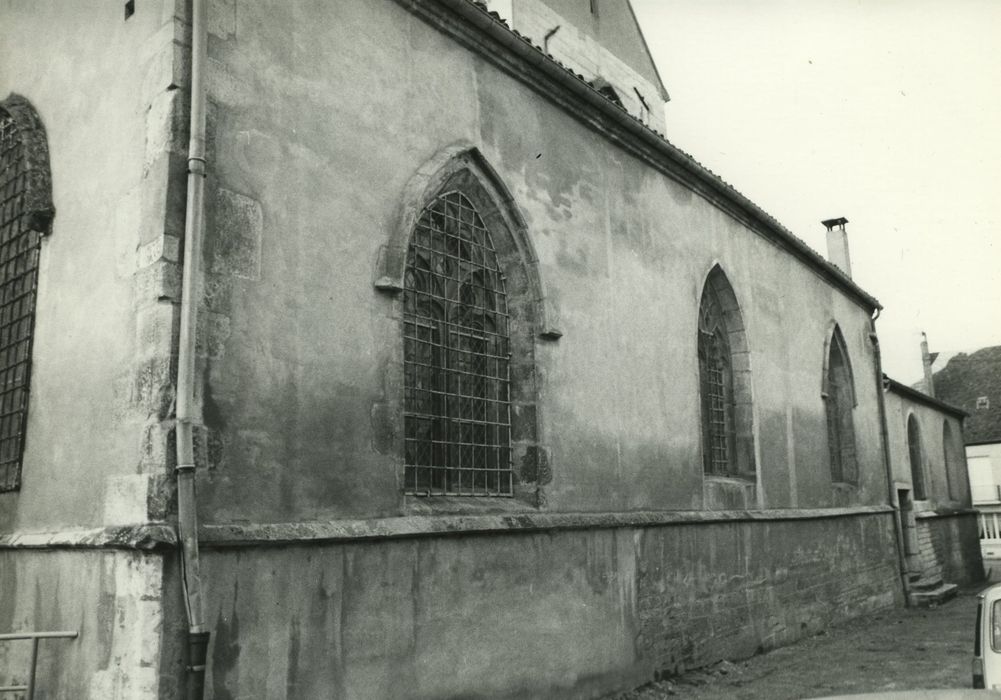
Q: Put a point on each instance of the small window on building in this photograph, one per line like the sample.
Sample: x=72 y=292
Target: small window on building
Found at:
x=983 y=402
x=457 y=416
x=607 y=91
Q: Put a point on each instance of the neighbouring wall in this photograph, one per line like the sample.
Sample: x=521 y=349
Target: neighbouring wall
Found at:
x=514 y=614
x=106 y=89
x=942 y=460
x=112 y=598
x=955 y=541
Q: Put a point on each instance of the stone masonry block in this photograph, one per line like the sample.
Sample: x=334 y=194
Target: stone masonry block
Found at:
x=222 y=18
x=156 y=327
x=163 y=248
x=125 y=499
x=211 y=335
x=166 y=127
x=162 y=197
x=164 y=56
x=157 y=454
x=161 y=497
x=236 y=234
x=160 y=281
x=152 y=388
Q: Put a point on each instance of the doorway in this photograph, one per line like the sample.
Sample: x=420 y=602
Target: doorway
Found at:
x=909 y=525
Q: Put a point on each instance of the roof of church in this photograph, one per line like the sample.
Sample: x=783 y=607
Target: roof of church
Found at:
x=696 y=172
x=913 y=394
x=967 y=378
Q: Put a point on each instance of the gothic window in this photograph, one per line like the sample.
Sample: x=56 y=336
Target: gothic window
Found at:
x=25 y=211
x=457 y=404
x=915 y=451
x=948 y=460
x=724 y=382
x=716 y=386
x=840 y=401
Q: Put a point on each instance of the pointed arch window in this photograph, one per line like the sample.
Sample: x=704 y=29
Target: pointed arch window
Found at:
x=725 y=384
x=839 y=394
x=948 y=458
x=25 y=214
x=915 y=451
x=457 y=412
x=716 y=386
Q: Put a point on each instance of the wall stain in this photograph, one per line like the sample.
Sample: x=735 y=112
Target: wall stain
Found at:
x=292 y=667
x=226 y=651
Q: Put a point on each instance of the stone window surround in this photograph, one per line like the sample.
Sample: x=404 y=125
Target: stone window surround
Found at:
x=916 y=449
x=836 y=340
x=462 y=168
x=740 y=363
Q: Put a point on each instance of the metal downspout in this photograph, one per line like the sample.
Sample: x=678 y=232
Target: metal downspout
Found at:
x=187 y=517
x=898 y=529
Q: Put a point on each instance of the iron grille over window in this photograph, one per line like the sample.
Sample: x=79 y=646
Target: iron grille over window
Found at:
x=716 y=387
x=19 y=246
x=840 y=427
x=456 y=357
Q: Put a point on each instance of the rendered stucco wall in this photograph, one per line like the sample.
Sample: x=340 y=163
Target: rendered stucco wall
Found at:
x=112 y=599
x=311 y=159
x=102 y=88
x=109 y=93
x=515 y=615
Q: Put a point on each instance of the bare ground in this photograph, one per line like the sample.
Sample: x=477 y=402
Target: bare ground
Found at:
x=898 y=649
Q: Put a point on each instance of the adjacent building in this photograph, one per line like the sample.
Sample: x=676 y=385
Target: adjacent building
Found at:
x=973 y=381
x=497 y=393
x=931 y=491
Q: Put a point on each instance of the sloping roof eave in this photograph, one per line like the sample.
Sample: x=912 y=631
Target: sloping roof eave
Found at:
x=915 y=395
x=673 y=161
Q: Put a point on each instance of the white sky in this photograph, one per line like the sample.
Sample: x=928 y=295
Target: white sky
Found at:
x=886 y=112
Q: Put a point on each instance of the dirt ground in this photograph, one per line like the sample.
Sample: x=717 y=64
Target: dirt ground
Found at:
x=899 y=649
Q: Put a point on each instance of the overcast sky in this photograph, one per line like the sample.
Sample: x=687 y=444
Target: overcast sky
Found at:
x=885 y=112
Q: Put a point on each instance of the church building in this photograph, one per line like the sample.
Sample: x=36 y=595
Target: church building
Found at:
x=388 y=349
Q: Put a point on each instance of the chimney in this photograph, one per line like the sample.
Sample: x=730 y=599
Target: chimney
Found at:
x=926 y=363
x=837 y=244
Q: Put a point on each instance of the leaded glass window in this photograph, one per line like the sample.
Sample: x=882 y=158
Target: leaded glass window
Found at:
x=456 y=357
x=915 y=451
x=19 y=250
x=840 y=403
x=716 y=387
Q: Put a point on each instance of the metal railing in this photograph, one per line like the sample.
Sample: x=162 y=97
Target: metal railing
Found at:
x=29 y=688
